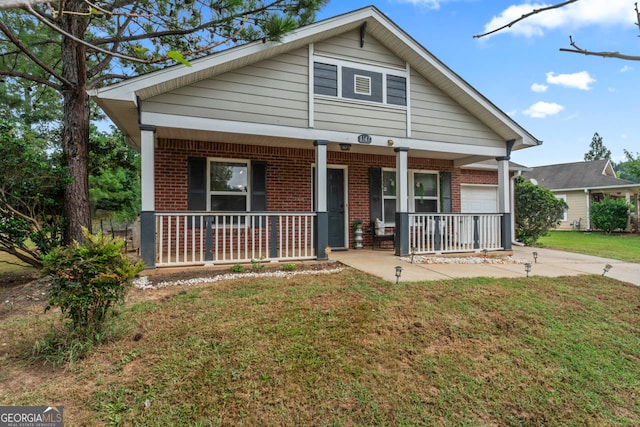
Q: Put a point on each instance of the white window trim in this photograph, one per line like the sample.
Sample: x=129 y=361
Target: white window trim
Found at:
x=383 y=198
x=399 y=72
x=412 y=196
x=210 y=193
x=565 y=217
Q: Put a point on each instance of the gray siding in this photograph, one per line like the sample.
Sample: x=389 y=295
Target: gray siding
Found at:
x=436 y=117
x=354 y=117
x=274 y=92
x=348 y=46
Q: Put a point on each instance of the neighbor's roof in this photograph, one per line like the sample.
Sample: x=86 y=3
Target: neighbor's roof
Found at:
x=120 y=100
x=578 y=175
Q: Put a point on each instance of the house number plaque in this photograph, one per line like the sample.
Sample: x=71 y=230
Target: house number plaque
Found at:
x=364 y=139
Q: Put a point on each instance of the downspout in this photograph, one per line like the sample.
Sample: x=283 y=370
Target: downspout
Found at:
x=513 y=208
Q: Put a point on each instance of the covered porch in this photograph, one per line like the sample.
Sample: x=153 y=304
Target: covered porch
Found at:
x=182 y=237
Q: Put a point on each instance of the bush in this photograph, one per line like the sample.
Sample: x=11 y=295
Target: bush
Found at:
x=288 y=266
x=88 y=279
x=237 y=268
x=609 y=214
x=537 y=211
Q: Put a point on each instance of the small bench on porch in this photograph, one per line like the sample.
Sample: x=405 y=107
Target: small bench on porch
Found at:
x=379 y=234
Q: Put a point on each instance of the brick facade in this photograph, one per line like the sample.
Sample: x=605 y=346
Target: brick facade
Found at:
x=289 y=174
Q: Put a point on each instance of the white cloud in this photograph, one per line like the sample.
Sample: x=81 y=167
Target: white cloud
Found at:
x=541 y=109
x=580 y=80
x=512 y=113
x=431 y=4
x=625 y=69
x=537 y=87
x=576 y=15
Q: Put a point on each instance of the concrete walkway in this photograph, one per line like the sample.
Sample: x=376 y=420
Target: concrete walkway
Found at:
x=550 y=263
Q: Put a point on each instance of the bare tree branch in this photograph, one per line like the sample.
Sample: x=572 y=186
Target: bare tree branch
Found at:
x=525 y=16
x=618 y=55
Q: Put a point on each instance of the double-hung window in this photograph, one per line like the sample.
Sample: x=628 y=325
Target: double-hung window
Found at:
x=389 y=196
x=228 y=185
x=424 y=193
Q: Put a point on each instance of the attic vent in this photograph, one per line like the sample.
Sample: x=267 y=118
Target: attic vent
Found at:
x=362 y=85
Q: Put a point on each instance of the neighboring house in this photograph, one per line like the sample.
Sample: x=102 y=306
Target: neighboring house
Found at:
x=580 y=184
x=271 y=150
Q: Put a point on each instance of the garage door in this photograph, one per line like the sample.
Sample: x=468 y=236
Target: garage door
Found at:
x=479 y=198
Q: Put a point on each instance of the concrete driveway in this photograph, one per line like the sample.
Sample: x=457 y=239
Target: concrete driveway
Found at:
x=550 y=263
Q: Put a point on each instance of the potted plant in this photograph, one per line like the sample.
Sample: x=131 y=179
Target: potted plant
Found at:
x=357 y=233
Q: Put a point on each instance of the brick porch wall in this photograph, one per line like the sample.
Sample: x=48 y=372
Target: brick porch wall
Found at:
x=289 y=174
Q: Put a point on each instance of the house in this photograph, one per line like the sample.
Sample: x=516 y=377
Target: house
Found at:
x=580 y=184
x=271 y=150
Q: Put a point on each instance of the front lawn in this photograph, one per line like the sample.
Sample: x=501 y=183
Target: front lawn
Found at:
x=348 y=349
x=624 y=247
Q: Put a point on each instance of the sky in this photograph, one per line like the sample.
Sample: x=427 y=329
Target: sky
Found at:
x=560 y=98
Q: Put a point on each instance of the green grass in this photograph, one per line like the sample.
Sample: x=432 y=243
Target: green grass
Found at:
x=7 y=268
x=350 y=350
x=624 y=247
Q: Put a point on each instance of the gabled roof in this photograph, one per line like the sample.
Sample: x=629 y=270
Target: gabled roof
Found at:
x=579 y=175
x=120 y=100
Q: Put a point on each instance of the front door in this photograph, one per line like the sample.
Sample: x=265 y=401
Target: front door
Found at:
x=335 y=207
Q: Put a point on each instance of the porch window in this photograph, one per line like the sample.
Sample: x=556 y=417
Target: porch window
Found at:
x=563 y=197
x=389 y=197
x=425 y=191
x=228 y=185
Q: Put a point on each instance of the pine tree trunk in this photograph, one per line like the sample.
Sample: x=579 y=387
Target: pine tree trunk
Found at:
x=75 y=133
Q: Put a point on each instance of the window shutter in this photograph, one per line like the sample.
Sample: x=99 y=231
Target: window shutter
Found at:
x=259 y=186
x=375 y=193
x=197 y=184
x=445 y=192
x=325 y=79
x=396 y=90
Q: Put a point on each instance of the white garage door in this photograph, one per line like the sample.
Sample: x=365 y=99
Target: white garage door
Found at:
x=479 y=198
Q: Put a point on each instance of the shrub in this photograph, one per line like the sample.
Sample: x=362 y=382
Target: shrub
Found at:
x=88 y=279
x=237 y=268
x=609 y=214
x=288 y=266
x=537 y=211
x=257 y=265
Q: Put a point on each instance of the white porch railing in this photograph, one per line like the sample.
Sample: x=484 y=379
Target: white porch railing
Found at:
x=448 y=233
x=188 y=238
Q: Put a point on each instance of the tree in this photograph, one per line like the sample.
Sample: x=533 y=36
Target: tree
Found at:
x=630 y=168
x=31 y=189
x=537 y=211
x=114 y=175
x=574 y=46
x=609 y=214
x=73 y=46
x=597 y=150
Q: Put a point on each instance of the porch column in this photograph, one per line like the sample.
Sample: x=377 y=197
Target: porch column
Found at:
x=322 y=216
x=504 y=200
x=147 y=215
x=402 y=201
